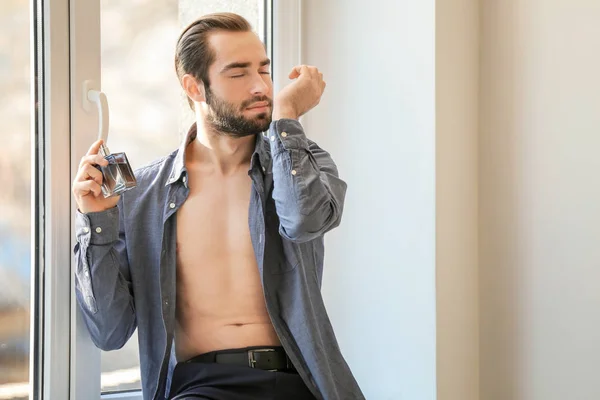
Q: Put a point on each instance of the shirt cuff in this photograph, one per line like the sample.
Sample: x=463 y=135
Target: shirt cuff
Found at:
x=97 y=227
x=287 y=134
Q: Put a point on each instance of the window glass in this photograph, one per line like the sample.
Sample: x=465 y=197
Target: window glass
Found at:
x=15 y=197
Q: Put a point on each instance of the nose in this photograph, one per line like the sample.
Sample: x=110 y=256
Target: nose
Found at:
x=261 y=85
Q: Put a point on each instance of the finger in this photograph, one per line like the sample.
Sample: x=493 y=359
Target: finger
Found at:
x=295 y=72
x=314 y=72
x=305 y=70
x=321 y=76
x=299 y=70
x=94 y=159
x=89 y=172
x=86 y=188
x=95 y=147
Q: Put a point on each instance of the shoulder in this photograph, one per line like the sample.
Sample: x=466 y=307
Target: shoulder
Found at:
x=156 y=171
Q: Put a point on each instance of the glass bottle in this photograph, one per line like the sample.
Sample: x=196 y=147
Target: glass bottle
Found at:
x=117 y=176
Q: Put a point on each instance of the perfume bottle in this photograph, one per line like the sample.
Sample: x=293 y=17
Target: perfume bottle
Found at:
x=117 y=175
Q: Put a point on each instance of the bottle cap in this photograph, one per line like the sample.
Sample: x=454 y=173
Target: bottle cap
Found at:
x=104 y=150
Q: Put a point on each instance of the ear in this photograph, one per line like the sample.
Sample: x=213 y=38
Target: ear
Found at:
x=193 y=88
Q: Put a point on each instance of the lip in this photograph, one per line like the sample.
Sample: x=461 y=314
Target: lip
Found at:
x=259 y=106
x=259 y=109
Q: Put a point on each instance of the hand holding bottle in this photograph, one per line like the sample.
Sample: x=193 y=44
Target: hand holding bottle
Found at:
x=87 y=186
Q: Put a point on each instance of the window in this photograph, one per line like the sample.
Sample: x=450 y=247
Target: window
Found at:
x=126 y=48
x=15 y=199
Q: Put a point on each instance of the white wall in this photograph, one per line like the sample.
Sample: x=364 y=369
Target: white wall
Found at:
x=457 y=111
x=539 y=198
x=520 y=197
x=377 y=118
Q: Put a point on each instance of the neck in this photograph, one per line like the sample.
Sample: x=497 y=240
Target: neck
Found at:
x=219 y=151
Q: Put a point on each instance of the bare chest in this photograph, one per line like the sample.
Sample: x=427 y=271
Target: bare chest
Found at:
x=220 y=301
x=213 y=222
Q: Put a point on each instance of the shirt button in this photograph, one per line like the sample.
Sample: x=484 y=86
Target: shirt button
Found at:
x=294 y=172
x=98 y=230
x=172 y=205
x=264 y=169
x=283 y=134
x=86 y=229
x=272 y=138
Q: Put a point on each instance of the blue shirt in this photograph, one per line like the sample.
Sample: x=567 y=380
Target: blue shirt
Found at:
x=126 y=259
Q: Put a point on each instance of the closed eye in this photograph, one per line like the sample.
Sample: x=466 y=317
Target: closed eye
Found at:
x=241 y=75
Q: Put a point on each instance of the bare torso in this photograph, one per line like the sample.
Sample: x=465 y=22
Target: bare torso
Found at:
x=220 y=301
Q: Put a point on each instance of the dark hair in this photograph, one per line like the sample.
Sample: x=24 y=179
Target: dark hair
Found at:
x=193 y=54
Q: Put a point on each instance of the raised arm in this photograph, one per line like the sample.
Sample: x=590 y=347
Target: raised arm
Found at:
x=308 y=193
x=102 y=279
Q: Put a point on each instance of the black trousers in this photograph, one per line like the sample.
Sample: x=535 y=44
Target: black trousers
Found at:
x=232 y=382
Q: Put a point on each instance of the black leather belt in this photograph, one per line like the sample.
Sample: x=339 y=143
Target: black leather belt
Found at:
x=267 y=358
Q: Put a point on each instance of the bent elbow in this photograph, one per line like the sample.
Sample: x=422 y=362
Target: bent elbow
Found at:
x=105 y=344
x=304 y=228
x=109 y=335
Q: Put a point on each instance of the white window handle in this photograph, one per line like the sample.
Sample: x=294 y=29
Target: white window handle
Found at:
x=91 y=94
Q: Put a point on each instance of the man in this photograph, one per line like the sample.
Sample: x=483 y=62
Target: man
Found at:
x=217 y=255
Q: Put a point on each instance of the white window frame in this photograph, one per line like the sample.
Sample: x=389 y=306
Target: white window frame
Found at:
x=68 y=131
x=51 y=332
x=286 y=40
x=85 y=50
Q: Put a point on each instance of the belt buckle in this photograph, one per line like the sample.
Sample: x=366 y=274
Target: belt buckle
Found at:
x=252 y=360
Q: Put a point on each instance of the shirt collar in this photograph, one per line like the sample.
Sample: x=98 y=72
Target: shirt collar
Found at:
x=261 y=155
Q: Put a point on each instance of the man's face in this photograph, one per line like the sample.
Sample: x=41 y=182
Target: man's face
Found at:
x=241 y=90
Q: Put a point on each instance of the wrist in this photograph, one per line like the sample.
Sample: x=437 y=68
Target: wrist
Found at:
x=284 y=112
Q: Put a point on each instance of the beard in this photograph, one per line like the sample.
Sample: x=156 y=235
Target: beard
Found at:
x=228 y=119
